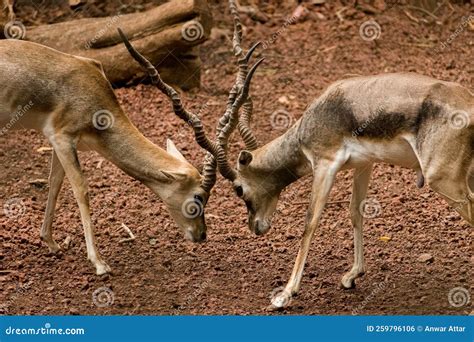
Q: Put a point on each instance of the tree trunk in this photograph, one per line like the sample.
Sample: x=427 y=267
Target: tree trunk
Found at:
x=167 y=35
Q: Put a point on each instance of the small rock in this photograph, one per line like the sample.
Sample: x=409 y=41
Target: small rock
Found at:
x=284 y=100
x=67 y=242
x=320 y=16
x=300 y=13
x=426 y=257
x=40 y=182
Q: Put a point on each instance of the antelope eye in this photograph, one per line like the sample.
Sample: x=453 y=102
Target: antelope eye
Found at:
x=239 y=191
x=199 y=198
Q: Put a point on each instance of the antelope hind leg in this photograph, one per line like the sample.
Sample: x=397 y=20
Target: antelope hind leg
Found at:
x=56 y=178
x=359 y=193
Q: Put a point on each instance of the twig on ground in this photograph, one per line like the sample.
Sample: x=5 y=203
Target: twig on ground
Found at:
x=411 y=17
x=129 y=232
x=7 y=271
x=339 y=13
x=428 y=13
x=422 y=45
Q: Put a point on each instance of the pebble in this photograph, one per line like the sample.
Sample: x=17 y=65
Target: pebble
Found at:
x=284 y=100
x=426 y=257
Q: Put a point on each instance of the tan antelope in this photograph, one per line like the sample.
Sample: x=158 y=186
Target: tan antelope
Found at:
x=405 y=119
x=70 y=100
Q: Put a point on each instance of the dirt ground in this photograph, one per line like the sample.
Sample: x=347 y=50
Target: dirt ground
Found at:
x=236 y=272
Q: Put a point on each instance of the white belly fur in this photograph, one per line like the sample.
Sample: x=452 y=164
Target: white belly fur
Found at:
x=397 y=151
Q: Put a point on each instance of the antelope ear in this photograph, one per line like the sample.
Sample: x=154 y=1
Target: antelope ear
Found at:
x=245 y=158
x=173 y=150
x=171 y=176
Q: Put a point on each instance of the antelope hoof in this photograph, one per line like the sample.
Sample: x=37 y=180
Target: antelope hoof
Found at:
x=280 y=301
x=102 y=268
x=348 y=283
x=53 y=246
x=273 y=308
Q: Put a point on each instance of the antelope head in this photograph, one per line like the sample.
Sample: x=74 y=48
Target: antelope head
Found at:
x=186 y=195
x=252 y=180
x=187 y=192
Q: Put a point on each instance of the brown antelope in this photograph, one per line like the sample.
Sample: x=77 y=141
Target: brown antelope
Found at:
x=404 y=119
x=70 y=100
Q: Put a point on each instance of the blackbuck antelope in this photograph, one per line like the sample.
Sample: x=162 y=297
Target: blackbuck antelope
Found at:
x=404 y=119
x=70 y=100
